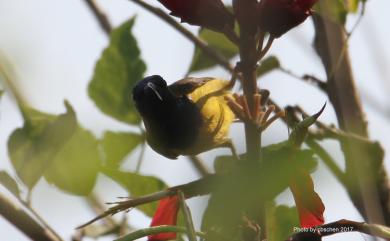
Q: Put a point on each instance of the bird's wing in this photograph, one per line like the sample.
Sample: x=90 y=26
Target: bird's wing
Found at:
x=187 y=85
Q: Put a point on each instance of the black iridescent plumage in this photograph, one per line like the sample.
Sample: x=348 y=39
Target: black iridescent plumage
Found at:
x=172 y=121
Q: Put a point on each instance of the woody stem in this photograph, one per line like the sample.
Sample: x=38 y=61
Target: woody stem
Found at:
x=248 y=68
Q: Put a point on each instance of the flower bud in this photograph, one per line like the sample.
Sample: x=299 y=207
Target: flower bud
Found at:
x=211 y=14
x=279 y=16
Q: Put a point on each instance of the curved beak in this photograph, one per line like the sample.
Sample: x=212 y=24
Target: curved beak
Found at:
x=153 y=87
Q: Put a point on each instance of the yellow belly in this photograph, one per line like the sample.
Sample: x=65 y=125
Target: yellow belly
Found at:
x=216 y=114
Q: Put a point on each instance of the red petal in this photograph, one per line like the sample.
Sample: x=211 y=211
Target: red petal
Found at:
x=279 y=16
x=166 y=214
x=206 y=13
x=309 y=204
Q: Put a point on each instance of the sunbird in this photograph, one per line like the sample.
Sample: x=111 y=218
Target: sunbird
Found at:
x=188 y=117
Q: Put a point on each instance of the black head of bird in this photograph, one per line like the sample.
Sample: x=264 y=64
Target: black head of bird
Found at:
x=184 y=118
x=151 y=95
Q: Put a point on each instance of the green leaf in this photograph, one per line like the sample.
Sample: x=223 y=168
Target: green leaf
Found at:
x=267 y=65
x=225 y=164
x=1 y=93
x=33 y=147
x=300 y=130
x=249 y=183
x=281 y=221
x=117 y=145
x=75 y=166
x=8 y=182
x=216 y=41
x=353 y=5
x=116 y=73
x=285 y=151
x=137 y=185
x=222 y=219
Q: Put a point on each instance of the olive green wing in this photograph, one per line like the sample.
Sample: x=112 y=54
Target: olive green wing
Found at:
x=187 y=85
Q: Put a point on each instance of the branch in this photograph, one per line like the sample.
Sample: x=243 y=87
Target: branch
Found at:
x=341 y=226
x=220 y=59
x=367 y=186
x=328 y=160
x=196 y=188
x=156 y=230
x=100 y=16
x=24 y=222
x=310 y=79
x=188 y=217
x=199 y=165
x=330 y=131
x=106 y=26
x=317 y=148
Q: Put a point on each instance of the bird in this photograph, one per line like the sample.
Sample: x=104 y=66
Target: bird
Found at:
x=188 y=117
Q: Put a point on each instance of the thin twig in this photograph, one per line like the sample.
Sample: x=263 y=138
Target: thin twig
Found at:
x=322 y=85
x=27 y=204
x=220 y=59
x=328 y=160
x=327 y=131
x=199 y=165
x=307 y=78
x=24 y=222
x=141 y=157
x=188 y=217
x=100 y=16
x=341 y=226
x=97 y=206
x=263 y=52
x=199 y=187
x=155 y=230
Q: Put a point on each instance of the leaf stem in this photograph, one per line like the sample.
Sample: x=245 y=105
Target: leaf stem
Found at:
x=141 y=157
x=188 y=217
x=199 y=165
x=186 y=33
x=24 y=222
x=155 y=230
x=327 y=159
x=341 y=226
x=100 y=16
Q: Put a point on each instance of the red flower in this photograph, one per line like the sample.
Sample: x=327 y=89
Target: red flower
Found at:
x=206 y=13
x=279 y=16
x=309 y=204
x=166 y=214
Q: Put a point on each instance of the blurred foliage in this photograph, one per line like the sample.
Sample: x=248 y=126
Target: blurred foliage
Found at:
x=281 y=221
x=76 y=165
x=9 y=183
x=116 y=73
x=117 y=145
x=339 y=9
x=216 y=41
x=248 y=185
x=267 y=65
x=33 y=147
x=137 y=185
x=71 y=157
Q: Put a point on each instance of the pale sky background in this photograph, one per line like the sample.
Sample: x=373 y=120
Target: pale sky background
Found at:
x=54 y=45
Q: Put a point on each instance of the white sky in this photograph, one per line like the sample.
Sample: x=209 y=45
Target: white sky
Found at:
x=54 y=46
